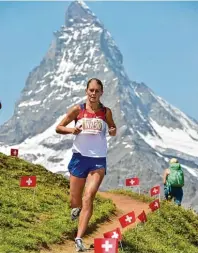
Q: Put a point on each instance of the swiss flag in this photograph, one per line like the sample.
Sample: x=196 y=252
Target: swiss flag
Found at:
x=154 y=205
x=116 y=234
x=142 y=217
x=104 y=245
x=28 y=181
x=155 y=190
x=132 y=181
x=127 y=219
x=14 y=152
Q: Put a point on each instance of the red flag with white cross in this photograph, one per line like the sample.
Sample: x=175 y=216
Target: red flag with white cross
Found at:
x=142 y=217
x=14 y=152
x=28 y=181
x=115 y=234
x=104 y=245
x=155 y=190
x=134 y=181
x=127 y=219
x=154 y=205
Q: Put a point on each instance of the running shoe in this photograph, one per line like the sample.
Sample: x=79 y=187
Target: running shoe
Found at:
x=79 y=245
x=75 y=212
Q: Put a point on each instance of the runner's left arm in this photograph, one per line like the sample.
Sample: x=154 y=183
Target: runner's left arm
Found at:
x=110 y=122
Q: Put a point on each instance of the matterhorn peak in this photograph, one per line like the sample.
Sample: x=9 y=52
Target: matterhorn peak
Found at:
x=79 y=12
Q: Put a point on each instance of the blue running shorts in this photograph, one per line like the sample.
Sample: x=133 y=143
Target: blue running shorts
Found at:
x=80 y=166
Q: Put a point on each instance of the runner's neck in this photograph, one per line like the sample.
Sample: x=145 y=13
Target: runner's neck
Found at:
x=94 y=107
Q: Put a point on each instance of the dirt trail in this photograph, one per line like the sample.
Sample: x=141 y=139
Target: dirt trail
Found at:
x=124 y=205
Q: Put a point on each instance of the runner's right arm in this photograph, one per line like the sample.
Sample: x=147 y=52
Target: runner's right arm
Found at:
x=71 y=115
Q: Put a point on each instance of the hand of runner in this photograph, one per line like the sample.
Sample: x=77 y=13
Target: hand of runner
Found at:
x=112 y=131
x=77 y=130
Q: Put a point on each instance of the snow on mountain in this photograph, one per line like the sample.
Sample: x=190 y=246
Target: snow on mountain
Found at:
x=169 y=127
x=171 y=138
x=38 y=149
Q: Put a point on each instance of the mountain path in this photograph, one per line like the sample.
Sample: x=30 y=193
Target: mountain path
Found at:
x=124 y=204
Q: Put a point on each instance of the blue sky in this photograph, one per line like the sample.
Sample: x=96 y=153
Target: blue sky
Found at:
x=158 y=40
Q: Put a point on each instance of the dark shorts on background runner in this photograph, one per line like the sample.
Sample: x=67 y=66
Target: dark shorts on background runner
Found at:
x=175 y=193
x=80 y=166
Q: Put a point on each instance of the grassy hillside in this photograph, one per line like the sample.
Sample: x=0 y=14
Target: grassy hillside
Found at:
x=171 y=229
x=25 y=226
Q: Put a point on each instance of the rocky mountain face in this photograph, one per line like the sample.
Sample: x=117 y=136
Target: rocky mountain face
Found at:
x=150 y=131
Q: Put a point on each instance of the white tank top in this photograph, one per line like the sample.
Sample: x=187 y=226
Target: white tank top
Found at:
x=91 y=141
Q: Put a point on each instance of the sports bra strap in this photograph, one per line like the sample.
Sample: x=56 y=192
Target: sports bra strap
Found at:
x=82 y=106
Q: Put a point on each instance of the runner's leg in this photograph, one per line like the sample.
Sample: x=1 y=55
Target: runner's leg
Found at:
x=76 y=190
x=94 y=180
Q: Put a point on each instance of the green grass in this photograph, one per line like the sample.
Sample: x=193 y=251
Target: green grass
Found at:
x=171 y=229
x=26 y=226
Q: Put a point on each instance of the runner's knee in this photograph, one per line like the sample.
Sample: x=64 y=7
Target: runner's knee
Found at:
x=88 y=198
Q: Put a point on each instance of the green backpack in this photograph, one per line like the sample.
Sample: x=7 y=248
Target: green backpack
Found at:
x=176 y=176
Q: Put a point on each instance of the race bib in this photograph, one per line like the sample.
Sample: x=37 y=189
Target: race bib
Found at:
x=92 y=126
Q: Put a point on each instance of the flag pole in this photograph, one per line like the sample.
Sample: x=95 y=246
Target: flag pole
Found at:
x=139 y=189
x=159 y=204
x=34 y=193
x=121 y=246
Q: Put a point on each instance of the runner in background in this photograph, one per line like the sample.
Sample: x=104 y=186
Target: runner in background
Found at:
x=173 y=182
